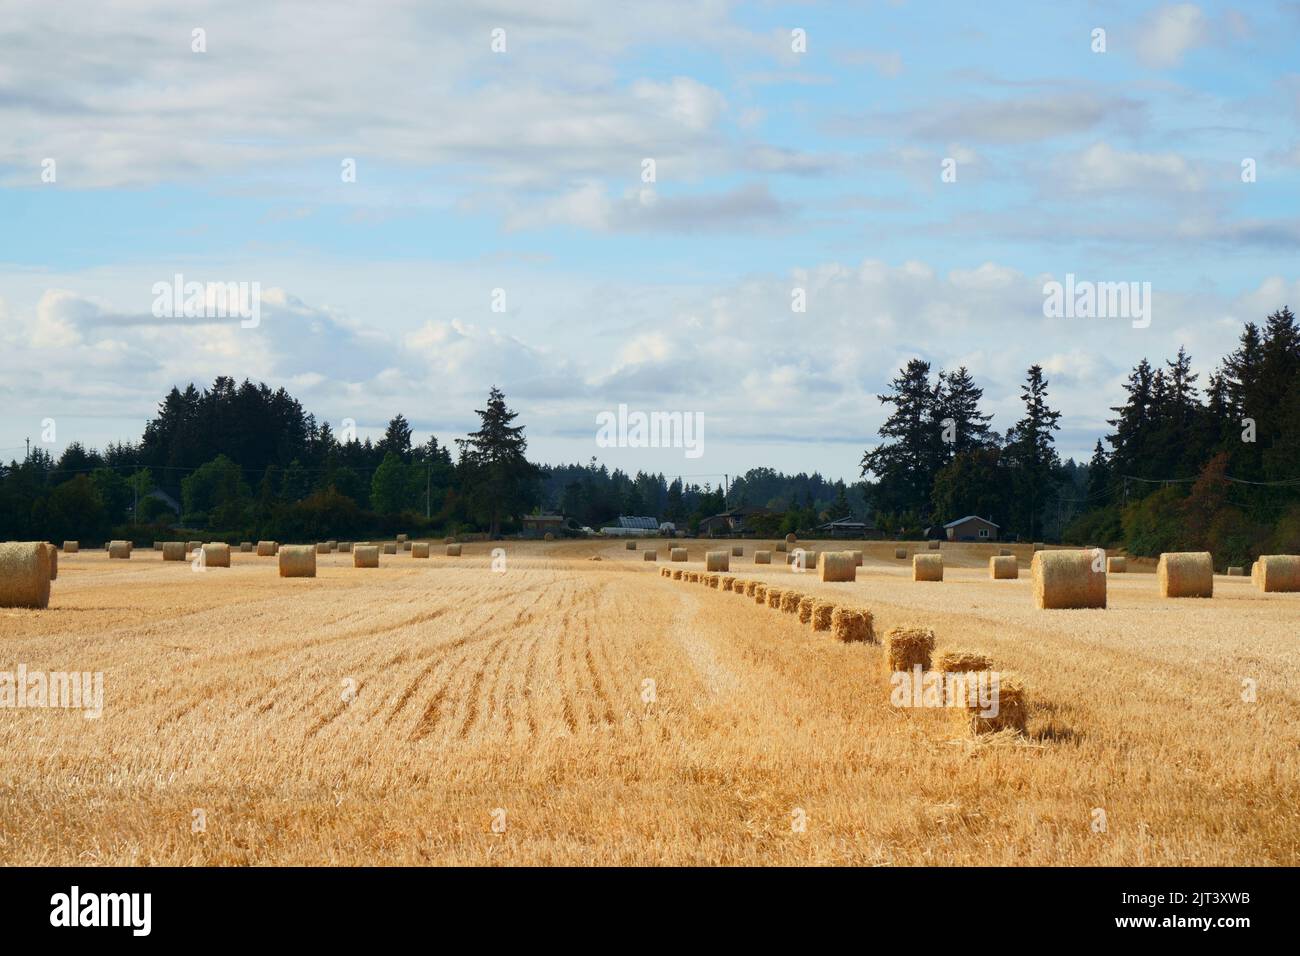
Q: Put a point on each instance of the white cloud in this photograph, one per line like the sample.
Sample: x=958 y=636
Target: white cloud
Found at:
x=1164 y=37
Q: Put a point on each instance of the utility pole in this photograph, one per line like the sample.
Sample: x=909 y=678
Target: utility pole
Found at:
x=29 y=450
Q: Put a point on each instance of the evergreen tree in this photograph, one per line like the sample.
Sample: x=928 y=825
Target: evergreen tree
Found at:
x=1035 y=465
x=499 y=478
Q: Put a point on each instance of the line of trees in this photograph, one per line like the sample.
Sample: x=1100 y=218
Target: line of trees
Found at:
x=1183 y=471
x=241 y=460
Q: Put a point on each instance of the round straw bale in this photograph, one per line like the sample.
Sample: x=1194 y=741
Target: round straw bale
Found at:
x=762 y=557
x=760 y=594
x=173 y=550
x=790 y=538
x=933 y=544
x=717 y=560
x=737 y=551
x=549 y=536
x=1039 y=546
x=265 y=549
x=1234 y=570
x=402 y=538
x=449 y=540
x=852 y=625
x=1278 y=572
x=1185 y=574
x=806 y=609
x=216 y=554
x=822 y=614
x=906 y=647
x=857 y=558
x=390 y=547
x=1004 y=566
x=192 y=546
x=959 y=661
x=365 y=556
x=54 y=561
x=774 y=597
x=927 y=567
x=119 y=549
x=322 y=547
x=157 y=545
x=345 y=546
x=900 y=554
x=780 y=546
x=453 y=551
x=630 y=545
x=332 y=545
x=24 y=574
x=1066 y=579
x=1117 y=565
x=297 y=561
x=649 y=556
x=245 y=547
x=839 y=566
x=677 y=554
x=71 y=547
x=790 y=601
x=420 y=549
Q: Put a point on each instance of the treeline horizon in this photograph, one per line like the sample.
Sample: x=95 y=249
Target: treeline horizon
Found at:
x=1181 y=472
x=1187 y=469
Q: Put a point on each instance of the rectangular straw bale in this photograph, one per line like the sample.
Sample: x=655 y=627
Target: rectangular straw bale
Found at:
x=806 y=609
x=760 y=594
x=726 y=582
x=962 y=661
x=790 y=601
x=907 y=646
x=774 y=597
x=852 y=625
x=1011 y=703
x=823 y=612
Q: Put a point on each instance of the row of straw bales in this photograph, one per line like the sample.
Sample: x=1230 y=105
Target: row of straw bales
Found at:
x=905 y=647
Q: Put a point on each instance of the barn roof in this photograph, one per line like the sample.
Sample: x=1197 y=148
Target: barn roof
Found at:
x=951 y=524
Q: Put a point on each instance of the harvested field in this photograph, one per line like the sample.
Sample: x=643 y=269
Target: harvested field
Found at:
x=380 y=716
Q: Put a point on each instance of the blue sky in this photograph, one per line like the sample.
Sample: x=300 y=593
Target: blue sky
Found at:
x=521 y=170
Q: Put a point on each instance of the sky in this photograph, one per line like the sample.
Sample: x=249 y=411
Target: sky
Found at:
x=914 y=172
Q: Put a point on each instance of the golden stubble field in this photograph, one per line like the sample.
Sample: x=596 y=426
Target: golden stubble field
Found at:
x=515 y=699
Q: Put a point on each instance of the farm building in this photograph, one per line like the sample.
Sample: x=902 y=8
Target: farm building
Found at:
x=536 y=526
x=971 y=528
x=732 y=522
x=632 y=527
x=846 y=528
